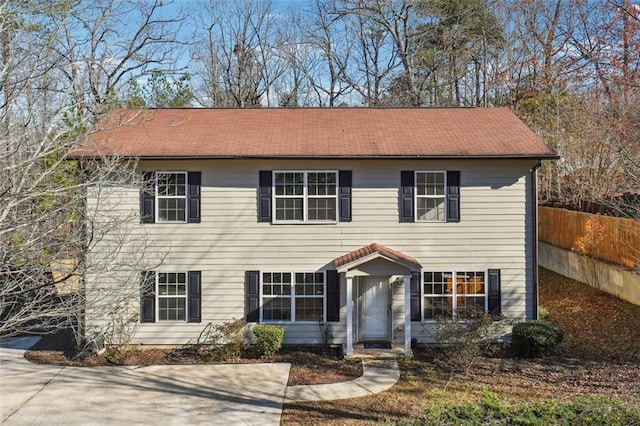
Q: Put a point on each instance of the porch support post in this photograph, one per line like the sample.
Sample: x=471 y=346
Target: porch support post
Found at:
x=407 y=316
x=349 y=316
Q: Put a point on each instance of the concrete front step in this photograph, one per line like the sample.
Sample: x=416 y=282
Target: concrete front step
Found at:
x=359 y=352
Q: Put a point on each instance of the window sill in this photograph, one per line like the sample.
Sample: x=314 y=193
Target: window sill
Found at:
x=299 y=222
x=170 y=222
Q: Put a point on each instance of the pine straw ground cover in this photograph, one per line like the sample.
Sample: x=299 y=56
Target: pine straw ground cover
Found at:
x=599 y=360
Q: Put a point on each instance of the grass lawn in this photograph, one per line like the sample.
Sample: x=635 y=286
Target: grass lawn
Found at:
x=596 y=374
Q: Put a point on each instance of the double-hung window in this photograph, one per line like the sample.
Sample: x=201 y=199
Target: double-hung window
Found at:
x=301 y=196
x=276 y=296
x=451 y=294
x=171 y=196
x=431 y=196
x=309 y=296
x=170 y=296
x=292 y=296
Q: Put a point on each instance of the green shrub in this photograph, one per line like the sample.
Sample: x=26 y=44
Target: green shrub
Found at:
x=220 y=343
x=464 y=340
x=268 y=339
x=543 y=313
x=535 y=338
x=226 y=341
x=494 y=410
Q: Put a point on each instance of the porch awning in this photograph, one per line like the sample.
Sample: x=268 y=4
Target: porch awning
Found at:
x=373 y=251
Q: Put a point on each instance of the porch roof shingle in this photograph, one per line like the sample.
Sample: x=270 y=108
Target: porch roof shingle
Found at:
x=372 y=249
x=314 y=133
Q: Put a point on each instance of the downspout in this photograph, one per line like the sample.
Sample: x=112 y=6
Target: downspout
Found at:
x=534 y=202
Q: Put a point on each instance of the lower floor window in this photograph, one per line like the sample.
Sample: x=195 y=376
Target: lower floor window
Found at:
x=292 y=296
x=172 y=296
x=454 y=294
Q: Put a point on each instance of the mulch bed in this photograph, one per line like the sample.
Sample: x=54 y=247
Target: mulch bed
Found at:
x=309 y=365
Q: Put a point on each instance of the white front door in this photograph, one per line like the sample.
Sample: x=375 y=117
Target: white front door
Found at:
x=374 y=297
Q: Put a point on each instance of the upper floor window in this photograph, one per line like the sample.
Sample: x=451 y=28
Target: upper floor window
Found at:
x=170 y=197
x=304 y=196
x=429 y=196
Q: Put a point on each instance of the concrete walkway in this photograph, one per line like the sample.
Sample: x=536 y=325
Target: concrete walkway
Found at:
x=377 y=376
x=229 y=394
x=247 y=394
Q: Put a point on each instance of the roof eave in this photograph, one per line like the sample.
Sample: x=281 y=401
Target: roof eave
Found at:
x=547 y=156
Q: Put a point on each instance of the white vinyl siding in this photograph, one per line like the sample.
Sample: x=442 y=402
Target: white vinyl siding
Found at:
x=494 y=232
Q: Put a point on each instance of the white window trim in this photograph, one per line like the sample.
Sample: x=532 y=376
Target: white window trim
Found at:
x=416 y=196
x=305 y=197
x=177 y=197
x=292 y=297
x=454 y=301
x=186 y=297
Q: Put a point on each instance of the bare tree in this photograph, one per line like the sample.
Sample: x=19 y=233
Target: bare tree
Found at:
x=374 y=61
x=102 y=44
x=294 y=88
x=235 y=57
x=48 y=233
x=47 y=229
x=324 y=33
x=399 y=20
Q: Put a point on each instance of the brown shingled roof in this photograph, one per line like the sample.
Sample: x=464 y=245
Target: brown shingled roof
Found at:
x=314 y=132
x=371 y=249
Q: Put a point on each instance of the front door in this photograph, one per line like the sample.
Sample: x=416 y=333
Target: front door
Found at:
x=374 y=298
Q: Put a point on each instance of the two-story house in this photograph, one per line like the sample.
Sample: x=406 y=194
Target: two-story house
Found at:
x=376 y=221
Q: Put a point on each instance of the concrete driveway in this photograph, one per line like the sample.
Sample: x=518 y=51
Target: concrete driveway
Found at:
x=247 y=394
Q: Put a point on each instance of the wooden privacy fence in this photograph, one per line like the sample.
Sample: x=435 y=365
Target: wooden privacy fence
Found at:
x=612 y=239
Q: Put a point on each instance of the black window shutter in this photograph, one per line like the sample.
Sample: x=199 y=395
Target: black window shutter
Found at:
x=453 y=196
x=344 y=182
x=193 y=197
x=416 y=306
x=406 y=195
x=494 y=302
x=194 y=296
x=148 y=296
x=148 y=198
x=264 y=196
x=333 y=296
x=252 y=296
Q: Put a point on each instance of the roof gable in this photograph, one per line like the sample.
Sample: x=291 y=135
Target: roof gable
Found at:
x=314 y=133
x=374 y=251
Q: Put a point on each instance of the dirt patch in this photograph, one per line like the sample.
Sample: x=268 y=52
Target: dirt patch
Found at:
x=598 y=326
x=311 y=366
